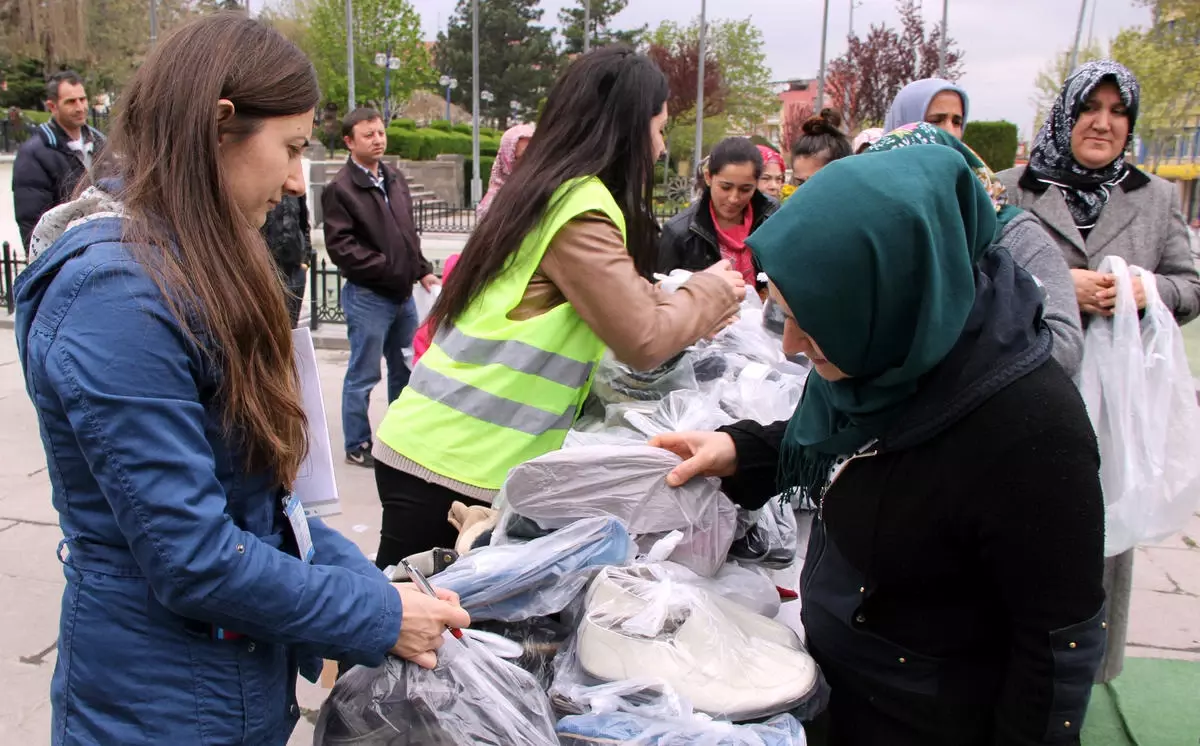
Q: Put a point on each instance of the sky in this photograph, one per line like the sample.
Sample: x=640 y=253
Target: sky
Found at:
x=1006 y=42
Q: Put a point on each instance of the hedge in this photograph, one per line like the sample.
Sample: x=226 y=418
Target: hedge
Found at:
x=995 y=142
x=428 y=143
x=442 y=125
x=485 y=175
x=404 y=124
x=463 y=129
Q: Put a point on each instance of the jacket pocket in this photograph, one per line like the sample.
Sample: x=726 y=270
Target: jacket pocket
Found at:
x=1077 y=651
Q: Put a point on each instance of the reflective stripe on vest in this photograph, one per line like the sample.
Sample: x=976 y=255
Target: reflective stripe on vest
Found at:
x=481 y=405
x=514 y=354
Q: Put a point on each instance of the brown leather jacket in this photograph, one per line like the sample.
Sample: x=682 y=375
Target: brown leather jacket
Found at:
x=372 y=240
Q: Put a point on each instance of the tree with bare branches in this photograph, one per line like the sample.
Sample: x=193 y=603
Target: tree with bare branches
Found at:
x=680 y=63
x=794 y=118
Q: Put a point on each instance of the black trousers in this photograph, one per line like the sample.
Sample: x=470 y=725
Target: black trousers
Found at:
x=414 y=515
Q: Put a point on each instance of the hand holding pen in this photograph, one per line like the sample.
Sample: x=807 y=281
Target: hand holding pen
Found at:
x=426 y=615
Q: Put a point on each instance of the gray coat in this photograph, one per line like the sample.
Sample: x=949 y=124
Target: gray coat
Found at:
x=1141 y=223
x=1032 y=248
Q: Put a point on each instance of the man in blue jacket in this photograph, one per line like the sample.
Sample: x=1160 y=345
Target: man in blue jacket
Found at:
x=51 y=162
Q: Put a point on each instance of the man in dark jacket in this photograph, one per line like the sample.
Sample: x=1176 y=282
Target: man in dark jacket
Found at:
x=371 y=236
x=289 y=237
x=56 y=156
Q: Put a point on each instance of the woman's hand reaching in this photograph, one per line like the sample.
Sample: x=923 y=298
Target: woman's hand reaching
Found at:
x=424 y=619
x=724 y=270
x=703 y=454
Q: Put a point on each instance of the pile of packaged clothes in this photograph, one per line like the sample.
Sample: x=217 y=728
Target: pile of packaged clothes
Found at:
x=606 y=606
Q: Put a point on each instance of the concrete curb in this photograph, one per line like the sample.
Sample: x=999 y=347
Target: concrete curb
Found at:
x=328 y=337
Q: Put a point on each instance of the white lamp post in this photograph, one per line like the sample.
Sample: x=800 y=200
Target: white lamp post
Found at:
x=388 y=63
x=449 y=84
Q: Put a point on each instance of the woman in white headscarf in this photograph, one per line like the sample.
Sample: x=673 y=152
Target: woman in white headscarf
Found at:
x=933 y=100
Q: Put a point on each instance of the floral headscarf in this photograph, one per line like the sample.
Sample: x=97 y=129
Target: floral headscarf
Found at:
x=1085 y=189
x=503 y=166
x=770 y=155
x=923 y=133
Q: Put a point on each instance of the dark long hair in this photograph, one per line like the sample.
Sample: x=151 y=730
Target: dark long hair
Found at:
x=822 y=137
x=207 y=257
x=596 y=123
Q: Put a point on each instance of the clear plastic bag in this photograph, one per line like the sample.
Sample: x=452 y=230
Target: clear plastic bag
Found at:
x=472 y=697
x=539 y=641
x=722 y=659
x=749 y=586
x=1142 y=402
x=615 y=382
x=772 y=539
x=515 y=582
x=630 y=484
x=634 y=729
x=763 y=393
x=678 y=411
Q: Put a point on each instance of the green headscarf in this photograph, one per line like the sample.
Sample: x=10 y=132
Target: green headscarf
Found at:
x=923 y=133
x=875 y=257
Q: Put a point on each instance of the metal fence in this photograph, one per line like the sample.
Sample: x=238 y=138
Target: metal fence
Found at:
x=325 y=283
x=10 y=266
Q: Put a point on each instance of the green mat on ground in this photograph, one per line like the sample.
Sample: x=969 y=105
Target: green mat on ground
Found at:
x=1152 y=703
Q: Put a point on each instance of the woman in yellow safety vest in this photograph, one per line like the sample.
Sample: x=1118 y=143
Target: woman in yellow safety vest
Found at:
x=554 y=273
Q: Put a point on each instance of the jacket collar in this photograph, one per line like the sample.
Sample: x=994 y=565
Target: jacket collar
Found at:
x=761 y=205
x=362 y=179
x=57 y=138
x=1051 y=208
x=1134 y=179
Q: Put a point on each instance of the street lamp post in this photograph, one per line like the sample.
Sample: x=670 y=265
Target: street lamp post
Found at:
x=853 y=4
x=476 y=183
x=388 y=63
x=699 y=144
x=821 y=76
x=1078 y=35
x=945 y=50
x=587 y=26
x=350 y=54
x=449 y=84
x=153 y=22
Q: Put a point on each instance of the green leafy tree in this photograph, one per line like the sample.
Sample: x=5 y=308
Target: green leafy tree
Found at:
x=995 y=142
x=380 y=26
x=1050 y=79
x=738 y=47
x=1166 y=61
x=601 y=17
x=517 y=57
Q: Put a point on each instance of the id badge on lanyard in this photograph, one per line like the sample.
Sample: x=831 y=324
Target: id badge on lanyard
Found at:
x=294 y=510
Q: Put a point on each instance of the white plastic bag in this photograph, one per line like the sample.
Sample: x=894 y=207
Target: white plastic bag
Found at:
x=640 y=623
x=1142 y=403
x=472 y=697
x=629 y=484
x=763 y=393
x=424 y=299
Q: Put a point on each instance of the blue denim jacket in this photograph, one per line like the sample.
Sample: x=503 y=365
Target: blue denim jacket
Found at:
x=166 y=534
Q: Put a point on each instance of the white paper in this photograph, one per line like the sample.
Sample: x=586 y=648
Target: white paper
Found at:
x=315 y=485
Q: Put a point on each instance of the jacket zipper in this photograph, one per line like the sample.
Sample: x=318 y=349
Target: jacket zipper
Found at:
x=828 y=487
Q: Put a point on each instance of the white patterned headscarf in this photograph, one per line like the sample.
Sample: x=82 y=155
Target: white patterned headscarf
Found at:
x=1085 y=189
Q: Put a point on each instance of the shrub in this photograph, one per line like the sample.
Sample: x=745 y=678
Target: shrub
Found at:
x=463 y=129
x=995 y=142
x=404 y=124
x=485 y=173
x=441 y=124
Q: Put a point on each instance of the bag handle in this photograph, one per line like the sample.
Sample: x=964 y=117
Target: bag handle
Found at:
x=1150 y=286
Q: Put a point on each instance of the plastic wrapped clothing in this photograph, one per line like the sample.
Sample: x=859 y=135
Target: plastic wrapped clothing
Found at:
x=678 y=411
x=630 y=484
x=722 y=659
x=515 y=582
x=472 y=697
x=772 y=539
x=616 y=382
x=539 y=641
x=1141 y=399
x=751 y=587
x=764 y=393
x=642 y=730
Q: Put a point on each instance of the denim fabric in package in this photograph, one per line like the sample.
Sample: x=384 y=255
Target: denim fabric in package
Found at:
x=633 y=729
x=629 y=484
x=639 y=624
x=515 y=582
x=471 y=698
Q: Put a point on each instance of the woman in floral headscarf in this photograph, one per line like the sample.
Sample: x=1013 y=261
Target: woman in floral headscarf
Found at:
x=1094 y=205
x=512 y=147
x=1019 y=233
x=771 y=181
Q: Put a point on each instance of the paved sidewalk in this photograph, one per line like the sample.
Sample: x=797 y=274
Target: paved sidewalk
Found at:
x=1165 y=616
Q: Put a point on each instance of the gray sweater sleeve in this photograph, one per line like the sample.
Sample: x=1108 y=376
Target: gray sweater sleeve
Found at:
x=1033 y=249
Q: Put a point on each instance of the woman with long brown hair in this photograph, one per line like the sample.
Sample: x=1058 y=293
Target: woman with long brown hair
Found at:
x=156 y=347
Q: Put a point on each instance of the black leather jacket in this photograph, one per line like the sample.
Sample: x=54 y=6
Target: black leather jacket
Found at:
x=689 y=240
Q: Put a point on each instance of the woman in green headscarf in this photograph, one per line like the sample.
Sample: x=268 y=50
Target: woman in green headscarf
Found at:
x=952 y=584
x=1022 y=234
